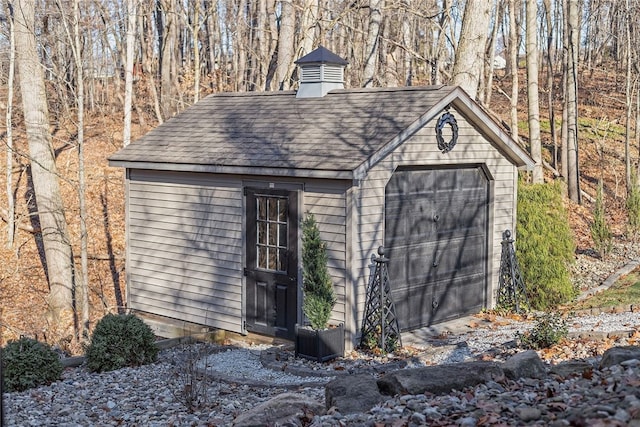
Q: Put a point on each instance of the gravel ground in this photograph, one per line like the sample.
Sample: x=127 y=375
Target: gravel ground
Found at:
x=168 y=393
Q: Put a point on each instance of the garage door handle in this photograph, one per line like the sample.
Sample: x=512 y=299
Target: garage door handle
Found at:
x=436 y=217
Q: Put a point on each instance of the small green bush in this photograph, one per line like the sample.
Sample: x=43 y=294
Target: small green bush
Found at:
x=119 y=341
x=29 y=363
x=600 y=230
x=319 y=298
x=544 y=245
x=549 y=329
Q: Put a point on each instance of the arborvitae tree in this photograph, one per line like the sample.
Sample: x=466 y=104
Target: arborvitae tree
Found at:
x=544 y=245
x=319 y=297
x=600 y=230
x=633 y=203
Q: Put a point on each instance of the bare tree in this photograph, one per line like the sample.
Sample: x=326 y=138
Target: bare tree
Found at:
x=51 y=212
x=11 y=205
x=485 y=95
x=128 y=70
x=149 y=68
x=628 y=98
x=470 y=54
x=372 y=42
x=83 y=285
x=309 y=24
x=513 y=61
x=550 y=87
x=168 y=42
x=285 y=45
x=533 y=89
x=572 y=30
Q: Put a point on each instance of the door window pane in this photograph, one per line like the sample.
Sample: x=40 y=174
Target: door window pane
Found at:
x=272 y=227
x=261 y=203
x=273 y=234
x=272 y=209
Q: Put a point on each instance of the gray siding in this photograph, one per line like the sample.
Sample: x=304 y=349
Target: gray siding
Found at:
x=421 y=150
x=185 y=248
x=326 y=200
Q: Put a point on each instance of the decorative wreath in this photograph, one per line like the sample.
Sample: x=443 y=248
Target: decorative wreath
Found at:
x=447 y=119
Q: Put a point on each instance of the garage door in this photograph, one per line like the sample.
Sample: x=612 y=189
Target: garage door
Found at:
x=436 y=240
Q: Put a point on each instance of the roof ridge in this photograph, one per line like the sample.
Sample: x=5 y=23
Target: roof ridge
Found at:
x=395 y=89
x=254 y=93
x=336 y=91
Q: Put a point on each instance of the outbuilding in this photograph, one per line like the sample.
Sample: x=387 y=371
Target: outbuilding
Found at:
x=215 y=197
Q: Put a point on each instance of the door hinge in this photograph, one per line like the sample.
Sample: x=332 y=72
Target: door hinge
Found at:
x=245 y=271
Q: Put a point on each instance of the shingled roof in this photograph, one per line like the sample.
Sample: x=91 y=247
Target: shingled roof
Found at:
x=339 y=135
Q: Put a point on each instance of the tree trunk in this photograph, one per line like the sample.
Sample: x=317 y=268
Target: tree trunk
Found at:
x=513 y=65
x=573 y=21
x=168 y=48
x=148 y=70
x=533 y=90
x=406 y=53
x=372 y=42
x=470 y=54
x=195 y=32
x=285 y=45
x=308 y=25
x=441 y=39
x=83 y=285
x=11 y=205
x=128 y=71
x=628 y=100
x=550 y=87
x=55 y=237
x=490 y=64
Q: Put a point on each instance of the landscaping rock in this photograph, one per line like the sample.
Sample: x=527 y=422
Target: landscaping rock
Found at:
x=352 y=394
x=439 y=379
x=282 y=409
x=526 y=364
x=570 y=368
x=617 y=355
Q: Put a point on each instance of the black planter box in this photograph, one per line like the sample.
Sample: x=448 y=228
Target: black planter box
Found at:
x=320 y=345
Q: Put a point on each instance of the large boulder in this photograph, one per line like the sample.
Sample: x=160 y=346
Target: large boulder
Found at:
x=526 y=364
x=282 y=409
x=617 y=355
x=439 y=379
x=351 y=394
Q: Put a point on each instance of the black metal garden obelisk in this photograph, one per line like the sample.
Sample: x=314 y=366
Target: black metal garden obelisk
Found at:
x=380 y=324
x=511 y=291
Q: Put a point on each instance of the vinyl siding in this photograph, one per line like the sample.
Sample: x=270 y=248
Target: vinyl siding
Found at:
x=421 y=150
x=327 y=202
x=185 y=247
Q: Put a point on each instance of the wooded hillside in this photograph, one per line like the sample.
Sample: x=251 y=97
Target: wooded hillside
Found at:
x=80 y=79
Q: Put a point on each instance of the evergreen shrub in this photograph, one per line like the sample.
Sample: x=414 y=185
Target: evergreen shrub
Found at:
x=633 y=203
x=319 y=297
x=544 y=245
x=29 y=363
x=600 y=230
x=120 y=341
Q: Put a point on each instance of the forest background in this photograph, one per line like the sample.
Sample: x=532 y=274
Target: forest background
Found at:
x=81 y=79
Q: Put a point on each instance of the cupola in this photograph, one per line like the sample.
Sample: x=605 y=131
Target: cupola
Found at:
x=320 y=71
